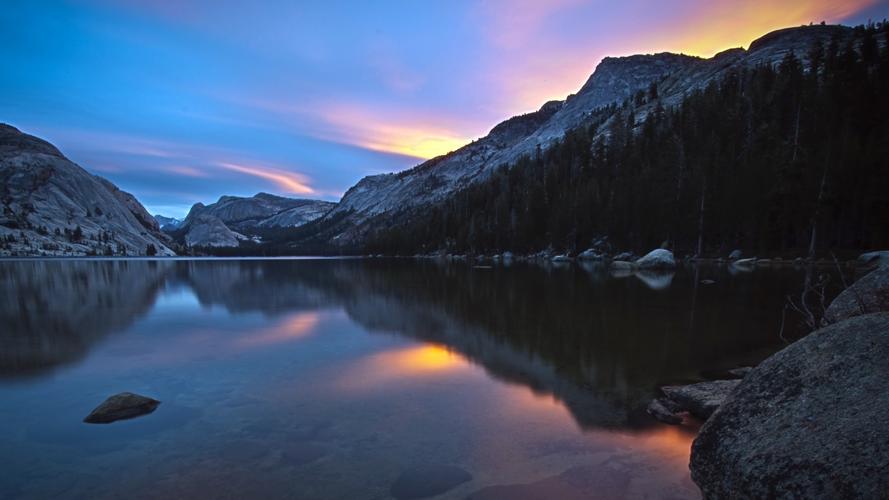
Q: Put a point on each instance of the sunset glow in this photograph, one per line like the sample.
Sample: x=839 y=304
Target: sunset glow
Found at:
x=287 y=182
x=402 y=364
x=294 y=327
x=272 y=99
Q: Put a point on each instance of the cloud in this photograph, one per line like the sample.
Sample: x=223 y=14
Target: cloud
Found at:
x=514 y=23
x=417 y=133
x=187 y=171
x=287 y=181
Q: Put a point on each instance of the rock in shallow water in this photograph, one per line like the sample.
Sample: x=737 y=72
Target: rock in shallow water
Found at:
x=428 y=480
x=703 y=398
x=121 y=406
x=660 y=409
x=812 y=421
x=870 y=294
x=657 y=259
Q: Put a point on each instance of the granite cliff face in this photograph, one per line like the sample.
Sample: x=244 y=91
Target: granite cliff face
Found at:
x=378 y=200
x=221 y=224
x=51 y=206
x=167 y=223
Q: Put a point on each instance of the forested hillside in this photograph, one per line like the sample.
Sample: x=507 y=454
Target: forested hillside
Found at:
x=790 y=158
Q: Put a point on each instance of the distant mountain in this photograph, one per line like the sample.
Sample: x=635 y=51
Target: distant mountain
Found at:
x=167 y=223
x=225 y=223
x=377 y=201
x=51 y=206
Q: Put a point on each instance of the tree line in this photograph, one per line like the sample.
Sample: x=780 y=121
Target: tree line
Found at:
x=784 y=159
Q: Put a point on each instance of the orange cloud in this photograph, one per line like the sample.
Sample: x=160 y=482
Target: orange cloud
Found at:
x=540 y=66
x=723 y=24
x=383 y=128
x=288 y=181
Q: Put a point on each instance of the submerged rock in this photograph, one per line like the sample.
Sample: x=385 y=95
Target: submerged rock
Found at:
x=880 y=258
x=623 y=265
x=657 y=259
x=745 y=262
x=590 y=254
x=812 y=421
x=624 y=256
x=428 y=481
x=703 y=398
x=121 y=406
x=869 y=294
x=665 y=411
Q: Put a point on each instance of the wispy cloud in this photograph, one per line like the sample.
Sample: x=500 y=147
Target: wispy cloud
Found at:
x=289 y=182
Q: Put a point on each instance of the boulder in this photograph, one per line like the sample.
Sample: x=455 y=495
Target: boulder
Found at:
x=735 y=255
x=622 y=265
x=665 y=411
x=120 y=407
x=562 y=258
x=869 y=294
x=589 y=254
x=703 y=398
x=428 y=480
x=745 y=262
x=811 y=421
x=624 y=256
x=657 y=259
x=880 y=258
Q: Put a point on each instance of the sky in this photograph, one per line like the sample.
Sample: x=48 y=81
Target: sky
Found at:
x=182 y=101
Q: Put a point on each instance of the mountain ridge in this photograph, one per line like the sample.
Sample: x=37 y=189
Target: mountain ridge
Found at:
x=52 y=206
x=374 y=200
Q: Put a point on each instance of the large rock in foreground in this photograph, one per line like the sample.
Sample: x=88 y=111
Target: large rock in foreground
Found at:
x=812 y=421
x=657 y=259
x=121 y=406
x=870 y=294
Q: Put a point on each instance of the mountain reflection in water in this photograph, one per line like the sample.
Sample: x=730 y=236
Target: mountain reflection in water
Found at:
x=348 y=363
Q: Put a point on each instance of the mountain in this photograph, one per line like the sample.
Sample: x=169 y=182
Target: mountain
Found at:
x=51 y=206
x=167 y=223
x=778 y=150
x=221 y=224
x=379 y=201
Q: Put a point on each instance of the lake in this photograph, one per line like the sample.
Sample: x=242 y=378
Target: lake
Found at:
x=373 y=378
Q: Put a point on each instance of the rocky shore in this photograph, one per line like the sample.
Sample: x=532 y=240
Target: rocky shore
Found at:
x=811 y=421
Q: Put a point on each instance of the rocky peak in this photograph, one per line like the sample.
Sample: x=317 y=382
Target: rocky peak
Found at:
x=14 y=141
x=51 y=206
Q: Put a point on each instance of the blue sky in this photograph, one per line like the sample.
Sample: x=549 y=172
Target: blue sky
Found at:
x=184 y=101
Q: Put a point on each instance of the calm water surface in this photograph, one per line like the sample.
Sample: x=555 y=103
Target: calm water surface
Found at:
x=332 y=378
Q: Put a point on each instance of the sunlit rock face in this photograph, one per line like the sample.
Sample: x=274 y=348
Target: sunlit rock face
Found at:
x=379 y=200
x=46 y=197
x=221 y=224
x=53 y=311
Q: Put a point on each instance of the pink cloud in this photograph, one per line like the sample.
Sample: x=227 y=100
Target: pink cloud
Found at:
x=288 y=181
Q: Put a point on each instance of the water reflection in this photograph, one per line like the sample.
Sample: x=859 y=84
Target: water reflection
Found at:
x=329 y=377
x=596 y=343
